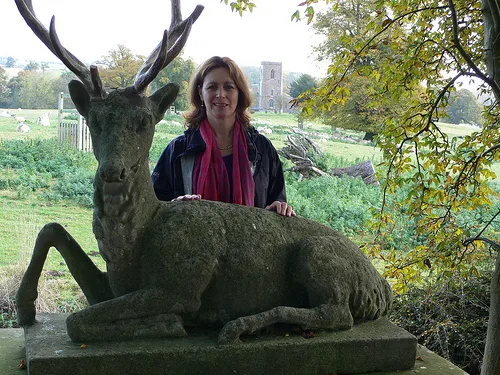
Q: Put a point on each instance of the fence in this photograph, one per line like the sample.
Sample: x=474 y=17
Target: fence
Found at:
x=76 y=133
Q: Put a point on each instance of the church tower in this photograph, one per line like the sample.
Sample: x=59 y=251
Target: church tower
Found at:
x=271 y=86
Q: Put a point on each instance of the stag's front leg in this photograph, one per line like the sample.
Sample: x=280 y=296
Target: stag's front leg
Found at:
x=150 y=312
x=93 y=282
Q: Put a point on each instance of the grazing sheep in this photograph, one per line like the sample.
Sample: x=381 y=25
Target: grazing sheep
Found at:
x=44 y=120
x=264 y=130
x=19 y=119
x=23 y=128
x=5 y=114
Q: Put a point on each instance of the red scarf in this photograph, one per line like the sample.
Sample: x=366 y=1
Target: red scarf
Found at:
x=210 y=178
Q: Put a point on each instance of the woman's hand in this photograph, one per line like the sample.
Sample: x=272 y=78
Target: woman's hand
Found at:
x=187 y=197
x=281 y=208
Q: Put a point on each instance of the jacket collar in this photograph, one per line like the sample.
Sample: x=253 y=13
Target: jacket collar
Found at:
x=196 y=144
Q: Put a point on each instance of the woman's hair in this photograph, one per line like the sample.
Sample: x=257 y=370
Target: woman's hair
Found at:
x=197 y=112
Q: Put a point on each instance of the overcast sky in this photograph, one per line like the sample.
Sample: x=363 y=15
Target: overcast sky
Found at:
x=90 y=28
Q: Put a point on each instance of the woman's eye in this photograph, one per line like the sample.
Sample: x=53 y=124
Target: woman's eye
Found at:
x=229 y=87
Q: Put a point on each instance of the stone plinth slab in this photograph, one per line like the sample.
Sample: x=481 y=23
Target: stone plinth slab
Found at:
x=368 y=347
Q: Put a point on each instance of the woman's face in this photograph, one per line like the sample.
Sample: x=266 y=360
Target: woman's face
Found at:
x=219 y=94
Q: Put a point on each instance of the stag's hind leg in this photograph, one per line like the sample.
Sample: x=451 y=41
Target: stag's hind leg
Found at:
x=327 y=316
x=325 y=267
x=93 y=282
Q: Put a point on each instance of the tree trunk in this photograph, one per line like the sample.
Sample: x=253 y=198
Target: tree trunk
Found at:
x=491 y=16
x=491 y=360
x=369 y=136
x=365 y=170
x=300 y=122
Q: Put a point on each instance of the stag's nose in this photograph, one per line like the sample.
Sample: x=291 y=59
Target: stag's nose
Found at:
x=112 y=172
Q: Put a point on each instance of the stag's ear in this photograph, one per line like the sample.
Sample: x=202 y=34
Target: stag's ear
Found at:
x=164 y=97
x=80 y=97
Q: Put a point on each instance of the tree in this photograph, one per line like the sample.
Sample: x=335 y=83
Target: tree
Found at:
x=61 y=85
x=356 y=111
x=35 y=90
x=32 y=66
x=11 y=62
x=341 y=22
x=281 y=102
x=302 y=85
x=4 y=90
x=44 y=66
x=445 y=176
x=252 y=74
x=14 y=88
x=362 y=105
x=119 y=68
x=463 y=107
x=298 y=88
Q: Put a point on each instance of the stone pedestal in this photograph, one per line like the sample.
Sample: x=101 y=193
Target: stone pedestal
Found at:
x=368 y=347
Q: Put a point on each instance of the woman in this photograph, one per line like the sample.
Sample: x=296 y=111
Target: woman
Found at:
x=220 y=157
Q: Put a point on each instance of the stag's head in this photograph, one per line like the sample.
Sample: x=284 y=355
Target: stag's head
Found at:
x=122 y=121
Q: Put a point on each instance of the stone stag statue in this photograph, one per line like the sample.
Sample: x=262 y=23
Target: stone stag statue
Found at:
x=172 y=265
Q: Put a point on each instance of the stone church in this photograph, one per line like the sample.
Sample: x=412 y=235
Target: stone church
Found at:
x=271 y=86
x=269 y=95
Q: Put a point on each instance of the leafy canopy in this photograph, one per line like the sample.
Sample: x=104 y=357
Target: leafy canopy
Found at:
x=445 y=174
x=364 y=103
x=434 y=47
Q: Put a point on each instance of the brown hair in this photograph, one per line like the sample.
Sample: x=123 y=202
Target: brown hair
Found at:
x=197 y=112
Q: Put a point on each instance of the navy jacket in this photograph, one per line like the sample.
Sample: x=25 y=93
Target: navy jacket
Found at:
x=172 y=176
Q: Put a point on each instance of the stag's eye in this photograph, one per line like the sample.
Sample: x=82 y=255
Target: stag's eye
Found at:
x=144 y=124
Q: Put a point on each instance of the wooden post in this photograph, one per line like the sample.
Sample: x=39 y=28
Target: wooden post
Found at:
x=79 y=134
x=60 y=116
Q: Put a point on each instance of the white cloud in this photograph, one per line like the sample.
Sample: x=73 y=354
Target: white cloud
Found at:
x=90 y=28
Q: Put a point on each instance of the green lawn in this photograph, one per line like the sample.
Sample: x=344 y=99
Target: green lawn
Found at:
x=8 y=125
x=22 y=218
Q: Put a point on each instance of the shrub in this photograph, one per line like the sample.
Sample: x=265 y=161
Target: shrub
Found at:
x=77 y=186
x=34 y=164
x=450 y=318
x=169 y=116
x=341 y=203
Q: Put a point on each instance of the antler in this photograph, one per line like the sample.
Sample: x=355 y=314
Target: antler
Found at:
x=90 y=78
x=171 y=45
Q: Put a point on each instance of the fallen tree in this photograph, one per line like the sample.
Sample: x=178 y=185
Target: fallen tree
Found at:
x=301 y=150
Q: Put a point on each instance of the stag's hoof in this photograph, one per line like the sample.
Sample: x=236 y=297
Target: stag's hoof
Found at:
x=26 y=314
x=163 y=325
x=231 y=332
